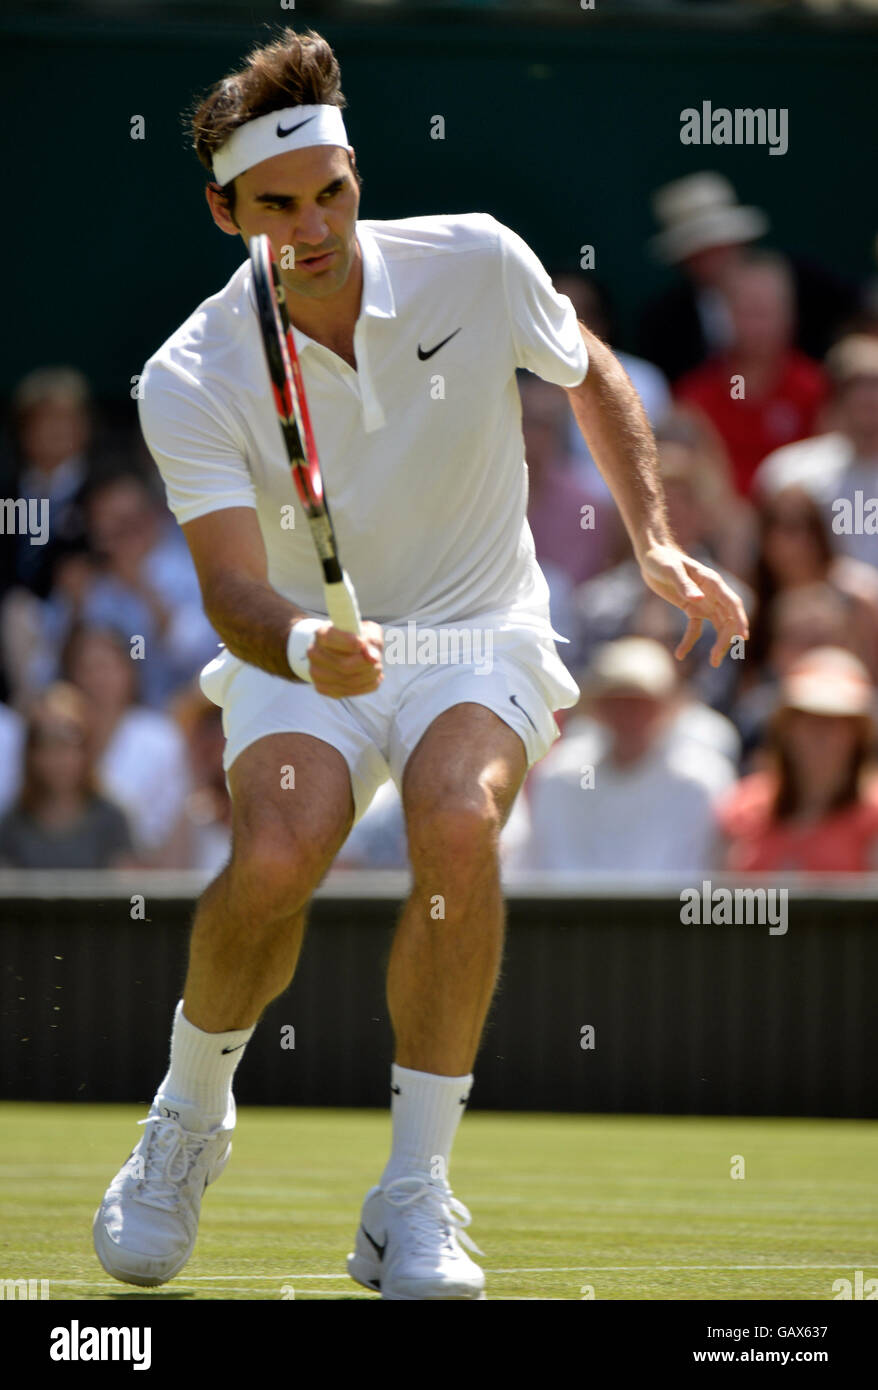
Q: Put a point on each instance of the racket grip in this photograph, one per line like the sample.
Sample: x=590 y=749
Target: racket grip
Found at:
x=342 y=606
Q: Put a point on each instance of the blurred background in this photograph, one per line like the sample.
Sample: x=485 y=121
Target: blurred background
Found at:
x=703 y=266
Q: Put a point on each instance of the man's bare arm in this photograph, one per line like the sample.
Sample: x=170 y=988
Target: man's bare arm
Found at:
x=613 y=422
x=254 y=620
x=615 y=427
x=249 y=615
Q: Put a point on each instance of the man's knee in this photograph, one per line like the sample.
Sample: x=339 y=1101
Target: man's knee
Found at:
x=285 y=837
x=275 y=870
x=459 y=831
x=458 y=789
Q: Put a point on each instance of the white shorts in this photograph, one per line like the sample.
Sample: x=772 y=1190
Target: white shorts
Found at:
x=521 y=678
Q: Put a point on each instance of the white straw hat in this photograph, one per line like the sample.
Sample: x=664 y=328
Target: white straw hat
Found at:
x=699 y=212
x=828 y=680
x=631 y=666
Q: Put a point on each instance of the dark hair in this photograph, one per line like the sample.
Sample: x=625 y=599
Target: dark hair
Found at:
x=81 y=631
x=60 y=703
x=293 y=70
x=788 y=795
x=764 y=581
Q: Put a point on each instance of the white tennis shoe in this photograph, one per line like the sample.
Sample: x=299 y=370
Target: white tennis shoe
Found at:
x=409 y=1244
x=145 y=1228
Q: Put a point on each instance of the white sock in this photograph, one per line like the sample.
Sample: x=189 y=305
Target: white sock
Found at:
x=199 y=1080
x=426 y=1111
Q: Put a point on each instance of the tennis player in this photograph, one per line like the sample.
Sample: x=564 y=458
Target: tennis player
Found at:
x=409 y=334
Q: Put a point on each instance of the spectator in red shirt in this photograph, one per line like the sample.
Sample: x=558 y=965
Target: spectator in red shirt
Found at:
x=762 y=392
x=814 y=810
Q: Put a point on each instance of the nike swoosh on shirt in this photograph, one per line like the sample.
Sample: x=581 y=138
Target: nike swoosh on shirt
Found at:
x=514 y=699
x=233 y=1049
x=282 y=134
x=424 y=355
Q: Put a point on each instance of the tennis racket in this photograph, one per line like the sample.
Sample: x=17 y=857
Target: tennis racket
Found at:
x=288 y=389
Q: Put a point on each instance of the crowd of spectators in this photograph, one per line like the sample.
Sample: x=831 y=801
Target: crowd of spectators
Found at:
x=759 y=374
x=109 y=753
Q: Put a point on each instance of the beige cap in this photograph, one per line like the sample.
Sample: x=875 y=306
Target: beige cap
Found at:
x=631 y=666
x=854 y=356
x=700 y=211
x=828 y=680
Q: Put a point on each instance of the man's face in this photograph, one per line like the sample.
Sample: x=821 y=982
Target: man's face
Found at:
x=306 y=200
x=761 y=310
x=54 y=430
x=121 y=519
x=634 y=722
x=858 y=407
x=58 y=757
x=711 y=265
x=101 y=670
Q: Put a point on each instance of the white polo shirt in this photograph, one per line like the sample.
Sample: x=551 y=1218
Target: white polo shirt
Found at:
x=422 y=459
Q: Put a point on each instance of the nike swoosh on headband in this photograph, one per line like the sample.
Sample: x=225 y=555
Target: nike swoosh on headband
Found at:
x=282 y=134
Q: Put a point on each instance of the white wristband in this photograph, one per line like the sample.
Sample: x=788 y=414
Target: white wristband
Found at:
x=299 y=643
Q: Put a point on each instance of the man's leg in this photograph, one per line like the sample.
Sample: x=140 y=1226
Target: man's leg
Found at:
x=250 y=922
x=245 y=944
x=458 y=788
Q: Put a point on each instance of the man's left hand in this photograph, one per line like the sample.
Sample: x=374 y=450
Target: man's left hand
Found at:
x=701 y=594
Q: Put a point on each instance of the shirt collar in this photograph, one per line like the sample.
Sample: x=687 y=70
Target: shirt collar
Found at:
x=377 y=297
x=377 y=290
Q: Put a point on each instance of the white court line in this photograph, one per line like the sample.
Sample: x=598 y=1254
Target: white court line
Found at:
x=562 y=1269
x=315 y=1293
x=350 y=1287
x=204 y=1279
x=663 y=1269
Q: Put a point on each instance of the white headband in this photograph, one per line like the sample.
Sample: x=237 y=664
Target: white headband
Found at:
x=279 y=131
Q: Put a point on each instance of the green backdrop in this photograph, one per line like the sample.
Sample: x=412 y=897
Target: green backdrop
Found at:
x=561 y=131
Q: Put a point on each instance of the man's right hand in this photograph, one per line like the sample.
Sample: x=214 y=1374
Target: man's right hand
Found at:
x=342 y=664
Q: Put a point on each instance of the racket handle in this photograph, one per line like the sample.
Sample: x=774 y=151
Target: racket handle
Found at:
x=342 y=606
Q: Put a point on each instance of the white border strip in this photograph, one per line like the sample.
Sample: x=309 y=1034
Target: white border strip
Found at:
x=381 y=884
